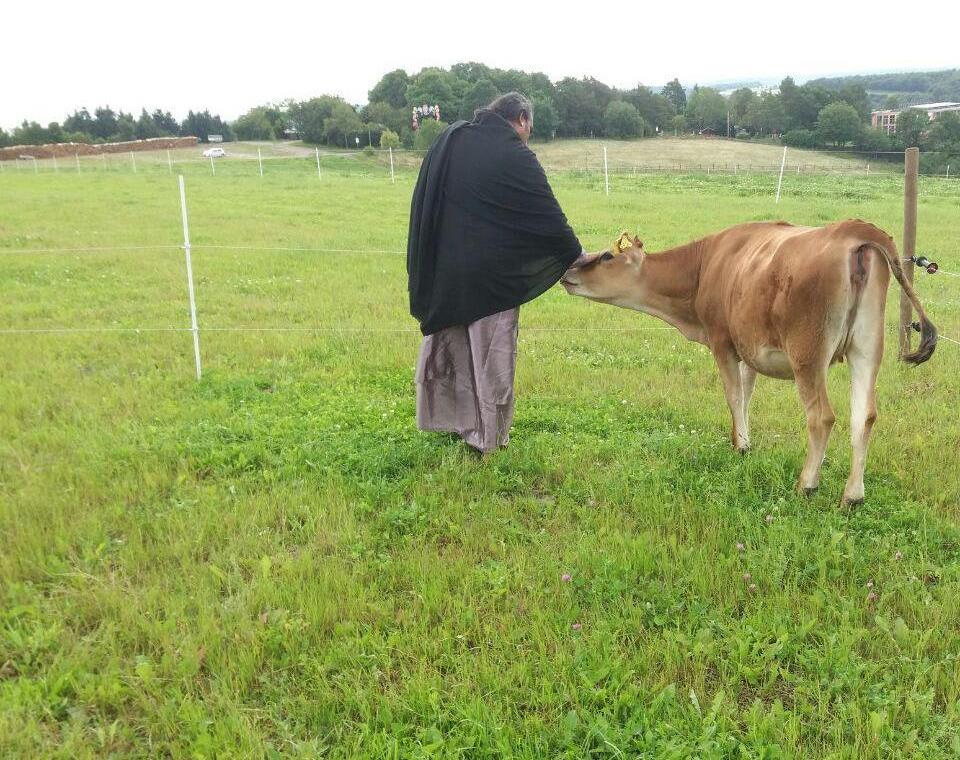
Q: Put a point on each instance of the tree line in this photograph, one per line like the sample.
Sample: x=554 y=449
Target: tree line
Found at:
x=902 y=88
x=807 y=116
x=833 y=114
x=107 y=125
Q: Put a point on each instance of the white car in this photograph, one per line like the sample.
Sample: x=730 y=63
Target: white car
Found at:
x=214 y=153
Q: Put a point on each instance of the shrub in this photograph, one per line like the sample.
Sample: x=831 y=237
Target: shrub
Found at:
x=800 y=138
x=427 y=133
x=622 y=120
x=389 y=139
x=838 y=123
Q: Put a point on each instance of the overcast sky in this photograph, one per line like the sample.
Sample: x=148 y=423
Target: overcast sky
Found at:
x=228 y=56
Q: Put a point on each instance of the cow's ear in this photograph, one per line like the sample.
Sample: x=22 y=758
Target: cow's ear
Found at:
x=638 y=243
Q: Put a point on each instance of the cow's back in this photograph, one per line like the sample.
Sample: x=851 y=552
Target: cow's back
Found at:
x=764 y=283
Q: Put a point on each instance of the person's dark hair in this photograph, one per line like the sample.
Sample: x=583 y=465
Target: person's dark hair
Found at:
x=512 y=106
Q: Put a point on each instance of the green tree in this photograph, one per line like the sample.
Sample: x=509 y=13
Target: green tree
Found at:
x=428 y=133
x=29 y=133
x=581 y=103
x=545 y=119
x=838 y=123
x=945 y=133
x=707 y=109
x=874 y=140
x=389 y=139
x=255 y=124
x=435 y=87
x=146 y=127
x=472 y=71
x=104 y=123
x=802 y=105
x=678 y=124
x=391 y=89
x=55 y=132
x=165 y=122
x=620 y=119
x=912 y=125
x=892 y=103
x=79 y=121
x=126 y=127
x=4 y=139
x=741 y=101
x=307 y=117
x=800 y=138
x=202 y=124
x=765 y=115
x=479 y=94
x=342 y=126
x=947 y=85
x=674 y=92
x=856 y=96
x=656 y=110
x=394 y=119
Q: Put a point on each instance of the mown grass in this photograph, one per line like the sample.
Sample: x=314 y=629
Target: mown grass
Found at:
x=274 y=562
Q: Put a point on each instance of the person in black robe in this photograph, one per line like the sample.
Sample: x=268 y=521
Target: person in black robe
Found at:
x=486 y=236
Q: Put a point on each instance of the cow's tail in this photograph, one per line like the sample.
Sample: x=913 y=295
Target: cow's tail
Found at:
x=928 y=331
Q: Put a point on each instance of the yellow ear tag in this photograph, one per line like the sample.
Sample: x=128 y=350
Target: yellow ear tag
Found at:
x=623 y=243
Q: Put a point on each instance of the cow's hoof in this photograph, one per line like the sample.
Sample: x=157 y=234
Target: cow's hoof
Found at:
x=847 y=501
x=806 y=490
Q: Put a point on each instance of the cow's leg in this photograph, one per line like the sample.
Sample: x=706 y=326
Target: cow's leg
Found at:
x=729 y=365
x=748 y=379
x=864 y=358
x=812 y=385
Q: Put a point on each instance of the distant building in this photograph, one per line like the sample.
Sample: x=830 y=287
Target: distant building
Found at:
x=214 y=138
x=887 y=119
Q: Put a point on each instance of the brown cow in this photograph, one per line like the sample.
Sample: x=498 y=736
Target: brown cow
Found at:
x=777 y=299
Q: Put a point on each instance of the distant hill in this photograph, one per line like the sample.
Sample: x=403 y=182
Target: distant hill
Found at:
x=910 y=88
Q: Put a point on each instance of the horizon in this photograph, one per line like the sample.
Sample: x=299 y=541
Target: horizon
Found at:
x=720 y=83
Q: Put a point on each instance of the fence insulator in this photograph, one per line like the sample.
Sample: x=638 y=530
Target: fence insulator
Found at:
x=924 y=263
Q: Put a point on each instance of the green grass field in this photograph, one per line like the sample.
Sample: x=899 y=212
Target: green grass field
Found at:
x=274 y=562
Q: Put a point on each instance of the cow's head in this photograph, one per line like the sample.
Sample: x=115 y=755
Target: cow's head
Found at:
x=611 y=276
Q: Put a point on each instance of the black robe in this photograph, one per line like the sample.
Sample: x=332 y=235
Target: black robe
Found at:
x=486 y=232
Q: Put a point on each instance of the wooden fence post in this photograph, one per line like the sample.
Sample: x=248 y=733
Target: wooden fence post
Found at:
x=911 y=160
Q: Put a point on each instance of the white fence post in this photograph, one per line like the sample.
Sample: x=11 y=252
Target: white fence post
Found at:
x=193 y=303
x=104 y=157
x=213 y=170
x=783 y=163
x=260 y=161
x=169 y=163
x=394 y=179
x=56 y=168
x=319 y=175
x=76 y=157
x=133 y=158
x=948 y=171
x=36 y=168
x=606 y=173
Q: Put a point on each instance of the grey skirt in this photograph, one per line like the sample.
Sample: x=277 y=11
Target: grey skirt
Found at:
x=465 y=380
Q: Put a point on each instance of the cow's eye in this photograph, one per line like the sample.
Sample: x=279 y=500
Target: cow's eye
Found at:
x=606 y=256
